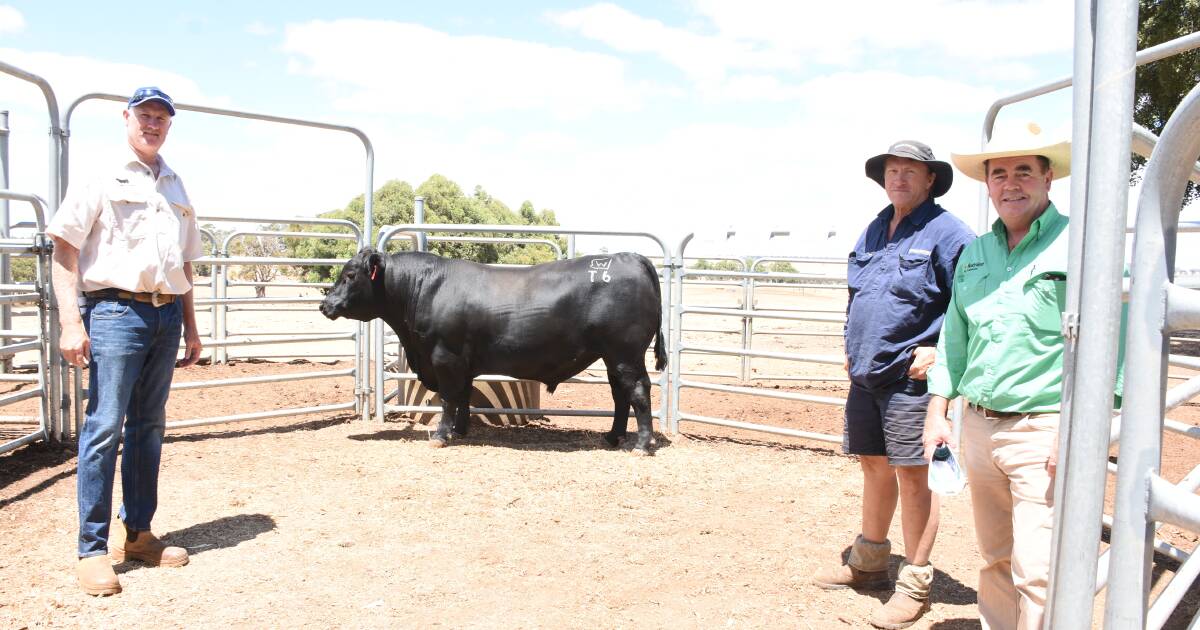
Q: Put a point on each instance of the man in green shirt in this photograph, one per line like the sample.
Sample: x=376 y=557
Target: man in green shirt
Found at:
x=1001 y=348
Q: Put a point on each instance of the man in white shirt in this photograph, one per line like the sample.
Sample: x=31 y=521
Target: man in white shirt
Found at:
x=125 y=240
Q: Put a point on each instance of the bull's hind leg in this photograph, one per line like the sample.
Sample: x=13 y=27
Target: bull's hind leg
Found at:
x=620 y=425
x=462 y=419
x=631 y=379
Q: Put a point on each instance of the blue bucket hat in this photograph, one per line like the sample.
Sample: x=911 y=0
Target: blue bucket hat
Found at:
x=151 y=93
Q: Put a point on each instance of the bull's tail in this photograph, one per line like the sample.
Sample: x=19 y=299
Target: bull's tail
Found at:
x=660 y=353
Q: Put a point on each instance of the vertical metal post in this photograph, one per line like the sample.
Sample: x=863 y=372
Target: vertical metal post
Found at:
x=571 y=249
x=664 y=391
x=221 y=280
x=419 y=218
x=1083 y=461
x=362 y=341
x=1081 y=96
x=5 y=270
x=676 y=331
x=747 y=324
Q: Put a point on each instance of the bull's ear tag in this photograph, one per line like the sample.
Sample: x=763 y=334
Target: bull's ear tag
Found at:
x=374 y=270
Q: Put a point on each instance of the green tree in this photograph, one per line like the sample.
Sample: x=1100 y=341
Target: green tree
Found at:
x=1161 y=86
x=445 y=202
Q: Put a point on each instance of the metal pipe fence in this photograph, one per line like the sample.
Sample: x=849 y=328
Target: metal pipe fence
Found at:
x=56 y=367
x=747 y=312
x=219 y=339
x=1157 y=308
x=39 y=426
x=59 y=164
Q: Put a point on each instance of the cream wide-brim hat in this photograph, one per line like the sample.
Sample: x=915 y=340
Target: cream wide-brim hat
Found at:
x=1026 y=139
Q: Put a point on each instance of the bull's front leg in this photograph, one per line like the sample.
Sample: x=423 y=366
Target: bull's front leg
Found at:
x=441 y=436
x=454 y=388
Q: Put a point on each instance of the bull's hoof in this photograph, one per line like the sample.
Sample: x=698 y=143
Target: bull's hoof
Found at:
x=612 y=439
x=641 y=452
x=437 y=442
x=458 y=435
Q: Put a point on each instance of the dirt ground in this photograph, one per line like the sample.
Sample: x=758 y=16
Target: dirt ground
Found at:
x=327 y=521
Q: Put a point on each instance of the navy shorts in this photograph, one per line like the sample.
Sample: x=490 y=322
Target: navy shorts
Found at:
x=887 y=421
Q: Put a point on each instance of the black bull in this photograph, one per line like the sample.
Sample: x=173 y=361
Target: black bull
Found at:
x=458 y=319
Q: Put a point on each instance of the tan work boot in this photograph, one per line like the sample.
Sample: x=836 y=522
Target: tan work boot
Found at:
x=124 y=545
x=910 y=600
x=96 y=576
x=867 y=568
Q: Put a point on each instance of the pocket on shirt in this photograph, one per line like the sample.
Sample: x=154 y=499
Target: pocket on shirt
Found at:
x=913 y=277
x=1048 y=299
x=856 y=267
x=131 y=213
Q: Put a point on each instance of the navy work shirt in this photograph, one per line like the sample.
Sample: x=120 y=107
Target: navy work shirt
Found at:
x=899 y=290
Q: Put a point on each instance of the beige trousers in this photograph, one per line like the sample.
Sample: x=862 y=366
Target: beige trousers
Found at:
x=1012 y=497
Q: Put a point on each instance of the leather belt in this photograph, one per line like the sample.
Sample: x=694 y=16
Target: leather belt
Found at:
x=991 y=413
x=157 y=299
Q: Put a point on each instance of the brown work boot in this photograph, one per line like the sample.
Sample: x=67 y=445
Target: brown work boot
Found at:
x=910 y=600
x=144 y=546
x=866 y=569
x=96 y=576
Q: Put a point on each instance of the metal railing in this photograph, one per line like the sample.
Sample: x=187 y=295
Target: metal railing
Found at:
x=678 y=347
x=362 y=348
x=1157 y=306
x=16 y=341
x=56 y=367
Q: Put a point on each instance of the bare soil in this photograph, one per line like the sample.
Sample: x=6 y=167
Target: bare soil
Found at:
x=327 y=521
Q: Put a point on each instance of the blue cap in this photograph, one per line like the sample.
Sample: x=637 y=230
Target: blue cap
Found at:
x=151 y=93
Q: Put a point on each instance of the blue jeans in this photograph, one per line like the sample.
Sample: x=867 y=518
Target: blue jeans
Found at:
x=134 y=346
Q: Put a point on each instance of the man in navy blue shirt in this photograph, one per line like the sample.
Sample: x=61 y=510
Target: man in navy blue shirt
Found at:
x=899 y=276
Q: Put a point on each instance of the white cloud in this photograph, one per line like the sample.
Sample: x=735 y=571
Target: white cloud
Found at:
x=11 y=20
x=400 y=68
x=705 y=58
x=979 y=29
x=260 y=29
x=72 y=76
x=768 y=35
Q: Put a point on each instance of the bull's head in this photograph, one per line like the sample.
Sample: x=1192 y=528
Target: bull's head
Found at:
x=358 y=292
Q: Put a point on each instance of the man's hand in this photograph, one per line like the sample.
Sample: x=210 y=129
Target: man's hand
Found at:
x=846 y=365
x=192 y=348
x=937 y=427
x=923 y=359
x=75 y=345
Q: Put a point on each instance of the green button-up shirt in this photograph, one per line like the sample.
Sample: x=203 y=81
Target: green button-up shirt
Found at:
x=1001 y=344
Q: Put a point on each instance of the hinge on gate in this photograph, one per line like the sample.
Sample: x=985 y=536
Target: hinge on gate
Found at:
x=1070 y=325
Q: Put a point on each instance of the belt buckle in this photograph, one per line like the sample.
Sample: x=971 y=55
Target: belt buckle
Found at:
x=155 y=301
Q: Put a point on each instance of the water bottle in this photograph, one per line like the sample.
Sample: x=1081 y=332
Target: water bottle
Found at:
x=945 y=476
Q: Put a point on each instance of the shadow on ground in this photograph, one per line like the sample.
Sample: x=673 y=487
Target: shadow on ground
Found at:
x=222 y=533
x=311 y=425
x=534 y=436
x=946 y=588
x=35 y=459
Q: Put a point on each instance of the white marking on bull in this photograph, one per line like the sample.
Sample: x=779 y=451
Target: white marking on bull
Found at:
x=600 y=264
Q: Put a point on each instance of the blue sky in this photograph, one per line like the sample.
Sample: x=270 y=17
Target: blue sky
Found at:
x=668 y=117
